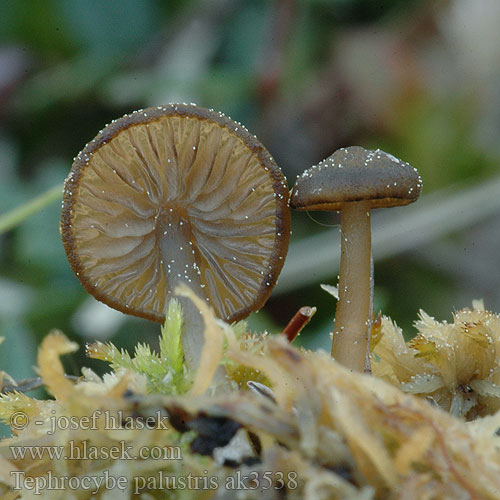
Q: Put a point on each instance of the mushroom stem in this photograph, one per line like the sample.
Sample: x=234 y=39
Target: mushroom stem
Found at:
x=350 y=333
x=193 y=340
x=182 y=269
x=368 y=368
x=192 y=336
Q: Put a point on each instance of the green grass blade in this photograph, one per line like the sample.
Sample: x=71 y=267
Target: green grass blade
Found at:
x=18 y=215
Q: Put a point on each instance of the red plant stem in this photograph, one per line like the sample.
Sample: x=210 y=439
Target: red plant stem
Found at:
x=297 y=323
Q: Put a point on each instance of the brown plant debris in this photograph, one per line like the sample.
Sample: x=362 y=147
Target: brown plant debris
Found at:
x=326 y=433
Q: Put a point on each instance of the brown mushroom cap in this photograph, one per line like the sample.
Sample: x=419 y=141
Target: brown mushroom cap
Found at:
x=176 y=193
x=356 y=174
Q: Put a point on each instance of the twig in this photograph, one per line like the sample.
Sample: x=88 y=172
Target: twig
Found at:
x=298 y=322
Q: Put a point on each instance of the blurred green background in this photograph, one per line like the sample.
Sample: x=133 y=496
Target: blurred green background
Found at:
x=419 y=79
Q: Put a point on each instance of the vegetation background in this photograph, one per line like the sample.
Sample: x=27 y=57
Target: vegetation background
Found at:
x=418 y=78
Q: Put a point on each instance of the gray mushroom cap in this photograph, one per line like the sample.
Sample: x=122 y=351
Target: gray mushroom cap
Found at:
x=356 y=174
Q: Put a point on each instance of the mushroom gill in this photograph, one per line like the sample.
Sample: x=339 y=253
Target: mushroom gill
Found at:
x=176 y=194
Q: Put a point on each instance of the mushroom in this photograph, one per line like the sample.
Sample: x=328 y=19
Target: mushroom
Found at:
x=176 y=194
x=355 y=180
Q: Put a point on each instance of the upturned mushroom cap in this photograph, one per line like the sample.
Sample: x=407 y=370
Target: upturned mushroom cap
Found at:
x=356 y=174
x=173 y=194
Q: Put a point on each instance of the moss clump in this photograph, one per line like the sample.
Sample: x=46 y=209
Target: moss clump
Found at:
x=326 y=433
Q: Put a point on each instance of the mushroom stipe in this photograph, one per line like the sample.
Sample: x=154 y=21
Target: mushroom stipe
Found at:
x=355 y=181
